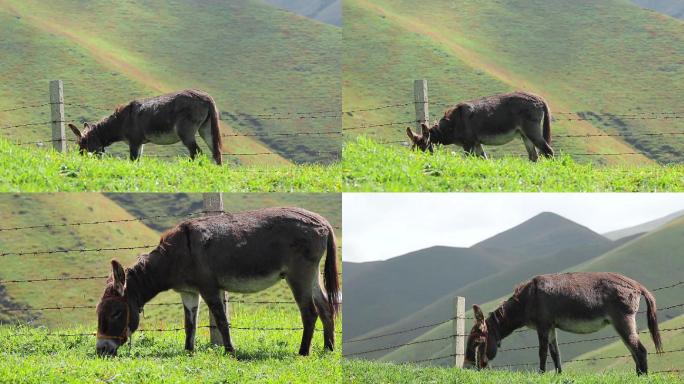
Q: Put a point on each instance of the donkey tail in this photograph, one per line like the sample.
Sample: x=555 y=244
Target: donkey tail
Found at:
x=216 y=141
x=652 y=319
x=330 y=275
x=547 y=123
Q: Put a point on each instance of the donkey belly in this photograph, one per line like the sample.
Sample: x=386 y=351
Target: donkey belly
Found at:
x=582 y=325
x=250 y=284
x=500 y=137
x=162 y=138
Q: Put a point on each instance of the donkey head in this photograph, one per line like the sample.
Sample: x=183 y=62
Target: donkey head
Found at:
x=421 y=141
x=481 y=345
x=87 y=141
x=116 y=320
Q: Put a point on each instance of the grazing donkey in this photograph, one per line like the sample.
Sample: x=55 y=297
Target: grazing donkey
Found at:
x=573 y=302
x=162 y=120
x=493 y=120
x=244 y=252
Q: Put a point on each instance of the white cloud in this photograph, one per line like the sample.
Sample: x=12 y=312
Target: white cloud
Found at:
x=378 y=226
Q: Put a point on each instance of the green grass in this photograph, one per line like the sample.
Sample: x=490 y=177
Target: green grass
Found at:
x=357 y=371
x=31 y=355
x=370 y=167
x=35 y=170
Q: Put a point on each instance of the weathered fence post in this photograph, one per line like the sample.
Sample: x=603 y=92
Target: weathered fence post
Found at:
x=459 y=331
x=212 y=205
x=57 y=115
x=420 y=98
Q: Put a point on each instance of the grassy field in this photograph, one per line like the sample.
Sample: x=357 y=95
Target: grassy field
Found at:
x=370 y=167
x=38 y=170
x=610 y=57
x=369 y=372
x=29 y=355
x=240 y=52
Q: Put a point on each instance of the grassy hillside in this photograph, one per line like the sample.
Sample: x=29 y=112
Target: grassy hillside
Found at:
x=381 y=373
x=28 y=170
x=33 y=355
x=239 y=51
x=661 y=267
x=644 y=227
x=372 y=167
x=609 y=61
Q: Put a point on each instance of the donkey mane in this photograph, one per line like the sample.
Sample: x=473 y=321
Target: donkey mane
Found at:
x=107 y=129
x=509 y=315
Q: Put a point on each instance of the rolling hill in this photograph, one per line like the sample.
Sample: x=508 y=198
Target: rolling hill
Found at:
x=239 y=51
x=611 y=62
x=643 y=228
x=651 y=259
x=22 y=210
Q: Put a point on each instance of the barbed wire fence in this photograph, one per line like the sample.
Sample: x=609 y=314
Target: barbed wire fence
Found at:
x=59 y=119
x=458 y=338
x=420 y=104
x=213 y=204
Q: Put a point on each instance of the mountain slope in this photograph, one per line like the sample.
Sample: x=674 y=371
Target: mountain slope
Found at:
x=238 y=51
x=565 y=51
x=402 y=284
x=644 y=227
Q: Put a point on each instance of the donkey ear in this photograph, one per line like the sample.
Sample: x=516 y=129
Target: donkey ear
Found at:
x=75 y=130
x=479 y=316
x=410 y=134
x=426 y=130
x=119 y=276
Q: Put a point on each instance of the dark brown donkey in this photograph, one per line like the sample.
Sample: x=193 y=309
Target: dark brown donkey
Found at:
x=244 y=252
x=493 y=120
x=162 y=120
x=573 y=302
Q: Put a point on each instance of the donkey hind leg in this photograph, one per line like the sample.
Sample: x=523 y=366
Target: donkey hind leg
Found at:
x=555 y=352
x=534 y=131
x=543 y=335
x=478 y=149
x=206 y=135
x=214 y=301
x=627 y=329
x=190 y=306
x=327 y=317
x=531 y=149
x=302 y=291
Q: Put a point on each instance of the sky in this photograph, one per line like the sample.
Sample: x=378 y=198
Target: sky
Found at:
x=379 y=226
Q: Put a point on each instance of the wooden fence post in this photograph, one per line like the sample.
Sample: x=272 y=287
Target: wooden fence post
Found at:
x=212 y=205
x=420 y=98
x=459 y=331
x=57 y=115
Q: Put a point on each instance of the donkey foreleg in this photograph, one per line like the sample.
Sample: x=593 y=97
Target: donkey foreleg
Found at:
x=190 y=306
x=135 y=150
x=215 y=303
x=543 y=335
x=555 y=352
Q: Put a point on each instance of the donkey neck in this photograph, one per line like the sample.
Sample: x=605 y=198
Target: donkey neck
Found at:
x=109 y=130
x=506 y=319
x=437 y=135
x=146 y=279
